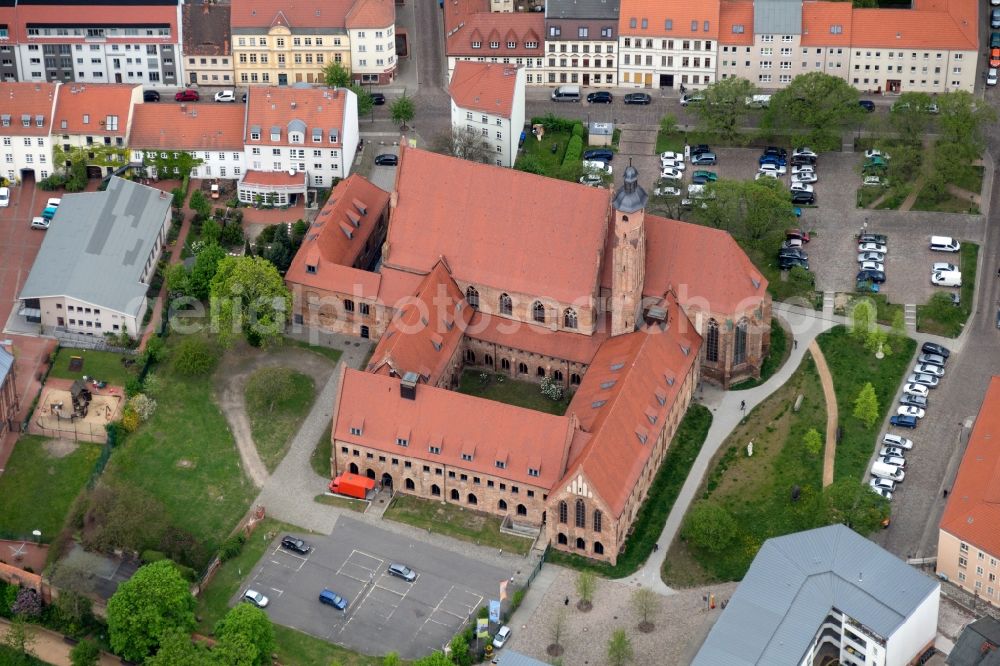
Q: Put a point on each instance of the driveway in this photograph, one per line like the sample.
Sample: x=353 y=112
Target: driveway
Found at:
x=385 y=613
x=637 y=147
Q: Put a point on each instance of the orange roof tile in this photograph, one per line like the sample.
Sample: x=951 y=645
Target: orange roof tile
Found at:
x=291 y=13
x=537 y=235
x=819 y=20
x=455 y=423
x=425 y=331
x=537 y=339
x=84 y=108
x=34 y=100
x=676 y=256
x=284 y=107
x=485 y=87
x=932 y=28
x=468 y=22
x=277 y=178
x=624 y=400
x=736 y=14
x=396 y=286
x=110 y=14
x=973 y=510
x=193 y=127
x=371 y=14
x=681 y=15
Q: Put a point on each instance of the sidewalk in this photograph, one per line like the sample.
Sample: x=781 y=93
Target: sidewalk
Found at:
x=52 y=649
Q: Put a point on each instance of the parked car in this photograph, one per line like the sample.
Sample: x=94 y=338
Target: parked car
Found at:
x=913 y=400
x=872 y=247
x=871 y=256
x=991 y=76
x=591 y=180
x=908 y=410
x=945 y=244
x=995 y=57
x=798 y=186
x=950 y=279
x=703 y=159
x=802 y=160
x=867 y=105
x=673 y=164
x=710 y=176
x=805 y=177
x=150 y=96
x=53 y=202
x=939 y=266
x=670 y=172
x=600 y=97
x=884 y=484
x=872 y=266
x=891 y=451
x=897 y=461
x=49 y=212
x=934 y=348
x=797 y=234
x=775 y=150
x=502 y=636
x=295 y=544
x=883 y=492
x=804 y=198
x=225 y=96
x=913 y=388
x=700 y=148
x=898 y=441
x=878 y=277
x=788 y=263
x=671 y=156
x=256 y=598
x=638 y=98
x=597 y=165
x=929 y=369
x=874 y=181
x=772 y=159
x=875 y=152
x=331 y=598
x=929 y=381
x=691 y=99
x=766 y=174
x=934 y=359
x=378 y=99
x=873 y=238
x=39 y=223
x=187 y=95
x=802 y=150
x=4 y=197
x=602 y=154
x=791 y=243
x=803 y=168
x=402 y=571
x=793 y=252
x=903 y=421
x=771 y=167
x=386 y=159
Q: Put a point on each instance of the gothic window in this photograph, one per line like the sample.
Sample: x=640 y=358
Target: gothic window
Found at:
x=597 y=520
x=712 y=341
x=522 y=510
x=581 y=513
x=598 y=548
x=557 y=375
x=574 y=379
x=410 y=485
x=436 y=490
x=472 y=296
x=740 y=342
x=538 y=312
x=581 y=544
x=506 y=306
x=470 y=356
x=488 y=360
x=562 y=540
x=505 y=364
x=472 y=499
x=502 y=505
x=454 y=494
x=563 y=512
x=540 y=372
x=569 y=318
x=522 y=368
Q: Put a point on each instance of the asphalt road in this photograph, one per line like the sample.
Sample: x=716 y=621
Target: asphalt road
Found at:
x=385 y=613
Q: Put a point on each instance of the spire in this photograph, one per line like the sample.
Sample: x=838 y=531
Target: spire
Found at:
x=631 y=197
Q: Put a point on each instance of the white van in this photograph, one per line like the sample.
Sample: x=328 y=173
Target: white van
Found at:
x=758 y=101
x=946 y=278
x=566 y=94
x=945 y=244
x=886 y=471
x=696 y=191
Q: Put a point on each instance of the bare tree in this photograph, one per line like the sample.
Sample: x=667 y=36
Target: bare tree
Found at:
x=464 y=143
x=646 y=603
x=556 y=629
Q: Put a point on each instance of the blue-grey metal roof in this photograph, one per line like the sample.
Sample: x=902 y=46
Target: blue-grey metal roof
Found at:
x=582 y=9
x=6 y=363
x=630 y=197
x=508 y=657
x=793 y=584
x=96 y=248
x=777 y=17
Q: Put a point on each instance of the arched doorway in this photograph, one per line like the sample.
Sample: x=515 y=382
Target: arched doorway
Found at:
x=472 y=499
x=562 y=540
x=409 y=485
x=454 y=494
x=387 y=480
x=581 y=544
x=353 y=469
x=370 y=473
x=436 y=490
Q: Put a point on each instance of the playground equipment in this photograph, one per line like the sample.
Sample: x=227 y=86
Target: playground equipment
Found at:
x=81 y=403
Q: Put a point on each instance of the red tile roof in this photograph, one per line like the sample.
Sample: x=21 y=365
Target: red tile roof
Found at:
x=682 y=14
x=676 y=256
x=819 y=18
x=973 y=510
x=193 y=127
x=425 y=331
x=934 y=26
x=485 y=87
x=84 y=107
x=624 y=400
x=537 y=339
x=291 y=13
x=468 y=21
x=281 y=106
x=536 y=235
x=736 y=14
x=338 y=235
x=454 y=422
x=79 y=15
x=395 y=286
x=371 y=14
x=277 y=178
x=31 y=99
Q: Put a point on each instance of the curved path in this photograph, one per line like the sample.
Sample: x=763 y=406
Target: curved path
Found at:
x=231 y=380
x=830 y=396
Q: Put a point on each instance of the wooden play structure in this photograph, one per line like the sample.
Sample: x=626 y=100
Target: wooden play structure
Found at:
x=81 y=398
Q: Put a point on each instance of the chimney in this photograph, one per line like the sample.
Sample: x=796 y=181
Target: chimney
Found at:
x=408 y=386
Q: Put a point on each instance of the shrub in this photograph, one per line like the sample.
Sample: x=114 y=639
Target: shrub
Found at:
x=28 y=603
x=53 y=182
x=156 y=349
x=211 y=232
x=578 y=130
x=85 y=653
x=551 y=389
x=178 y=197
x=133 y=386
x=130 y=420
x=143 y=405
x=232 y=233
x=195 y=356
x=574 y=151
x=231 y=547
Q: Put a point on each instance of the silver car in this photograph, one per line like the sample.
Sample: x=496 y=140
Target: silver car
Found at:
x=402 y=571
x=871 y=256
x=872 y=247
x=898 y=461
x=922 y=378
x=898 y=441
x=933 y=359
x=930 y=369
x=886 y=484
x=891 y=451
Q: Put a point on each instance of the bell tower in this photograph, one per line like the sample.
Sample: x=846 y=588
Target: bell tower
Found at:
x=629 y=254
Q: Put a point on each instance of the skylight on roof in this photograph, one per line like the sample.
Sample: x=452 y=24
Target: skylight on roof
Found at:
x=738 y=28
x=598 y=404
x=608 y=384
x=836 y=29
x=615 y=367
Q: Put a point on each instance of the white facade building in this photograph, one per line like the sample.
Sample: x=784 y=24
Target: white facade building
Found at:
x=372 y=36
x=25 y=123
x=212 y=134
x=488 y=99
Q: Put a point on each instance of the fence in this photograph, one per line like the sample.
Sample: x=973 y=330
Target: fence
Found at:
x=80 y=431
x=91 y=342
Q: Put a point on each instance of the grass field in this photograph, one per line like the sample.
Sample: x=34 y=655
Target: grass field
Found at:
x=342 y=502
x=105 y=366
x=38 y=487
x=511 y=391
x=328 y=352
x=186 y=458
x=273 y=429
x=454 y=521
x=319 y=459
x=542 y=151
x=939 y=316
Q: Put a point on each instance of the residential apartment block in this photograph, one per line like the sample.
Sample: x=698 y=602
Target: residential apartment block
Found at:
x=968 y=552
x=8 y=45
x=667 y=43
x=475 y=34
x=581 y=42
x=488 y=99
x=211 y=136
x=372 y=33
x=25 y=127
x=92 y=123
x=207 y=48
x=826 y=595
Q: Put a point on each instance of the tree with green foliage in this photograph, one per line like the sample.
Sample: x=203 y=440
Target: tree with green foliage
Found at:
x=866 y=408
x=962 y=118
x=177 y=649
x=391 y=659
x=402 y=110
x=725 y=107
x=818 y=101
x=249 y=297
x=813 y=442
x=176 y=277
x=155 y=600
x=754 y=212
x=862 y=318
x=460 y=655
x=855 y=505
x=246 y=630
x=585 y=584
x=206 y=264
x=646 y=603
x=908 y=116
x=620 y=650
x=877 y=341
x=85 y=653
x=365 y=101
x=710 y=527
x=336 y=75
x=195 y=356
x=200 y=204
x=668 y=123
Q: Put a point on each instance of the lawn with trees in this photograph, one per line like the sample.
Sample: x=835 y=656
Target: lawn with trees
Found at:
x=277 y=401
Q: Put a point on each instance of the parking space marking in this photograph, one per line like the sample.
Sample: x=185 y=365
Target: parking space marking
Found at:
x=459 y=619
x=287 y=560
x=363 y=571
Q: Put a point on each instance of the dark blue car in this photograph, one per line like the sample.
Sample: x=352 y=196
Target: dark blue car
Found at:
x=902 y=421
x=772 y=159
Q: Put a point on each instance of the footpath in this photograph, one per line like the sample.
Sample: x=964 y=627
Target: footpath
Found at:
x=51 y=648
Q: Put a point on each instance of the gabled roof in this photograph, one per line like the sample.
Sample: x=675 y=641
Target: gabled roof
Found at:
x=582 y=9
x=194 y=127
x=680 y=19
x=27 y=101
x=777 y=17
x=280 y=109
x=485 y=87
x=973 y=510
x=466 y=21
x=826 y=23
x=425 y=331
x=736 y=22
x=338 y=235
x=6 y=365
x=98 y=14
x=497 y=227
x=371 y=14
x=795 y=580
x=454 y=422
x=932 y=25
x=623 y=401
x=301 y=15
x=977 y=645
x=577 y=347
x=86 y=107
x=206 y=29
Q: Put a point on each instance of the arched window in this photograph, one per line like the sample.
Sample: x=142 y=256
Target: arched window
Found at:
x=522 y=368
x=581 y=544
x=472 y=297
x=598 y=519
x=454 y=494
x=740 y=342
x=436 y=490
x=522 y=510
x=574 y=379
x=353 y=469
x=470 y=356
x=502 y=505
x=557 y=375
x=409 y=485
x=569 y=318
x=563 y=512
x=472 y=499
x=488 y=360
x=538 y=312
x=561 y=539
x=505 y=364
x=712 y=341
x=506 y=306
x=598 y=548
x=540 y=372
x=581 y=513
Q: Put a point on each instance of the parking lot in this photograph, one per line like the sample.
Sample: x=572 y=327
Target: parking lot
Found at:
x=385 y=613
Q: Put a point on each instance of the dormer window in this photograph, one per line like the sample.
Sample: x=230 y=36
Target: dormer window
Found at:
x=275 y=134
x=311 y=269
x=295 y=137
x=355 y=431
x=39 y=121
x=501 y=464
x=467 y=457
x=5 y=120
x=494 y=45
x=532 y=471
x=86 y=119
x=26 y=120
x=402 y=441
x=434 y=449
x=512 y=45
x=477 y=45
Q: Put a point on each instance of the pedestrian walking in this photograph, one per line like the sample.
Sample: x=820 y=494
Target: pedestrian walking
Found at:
x=944 y=493
x=566 y=601
x=743 y=405
x=656 y=547
x=795 y=344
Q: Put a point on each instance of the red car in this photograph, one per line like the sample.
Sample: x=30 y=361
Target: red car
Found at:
x=995 y=57
x=187 y=96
